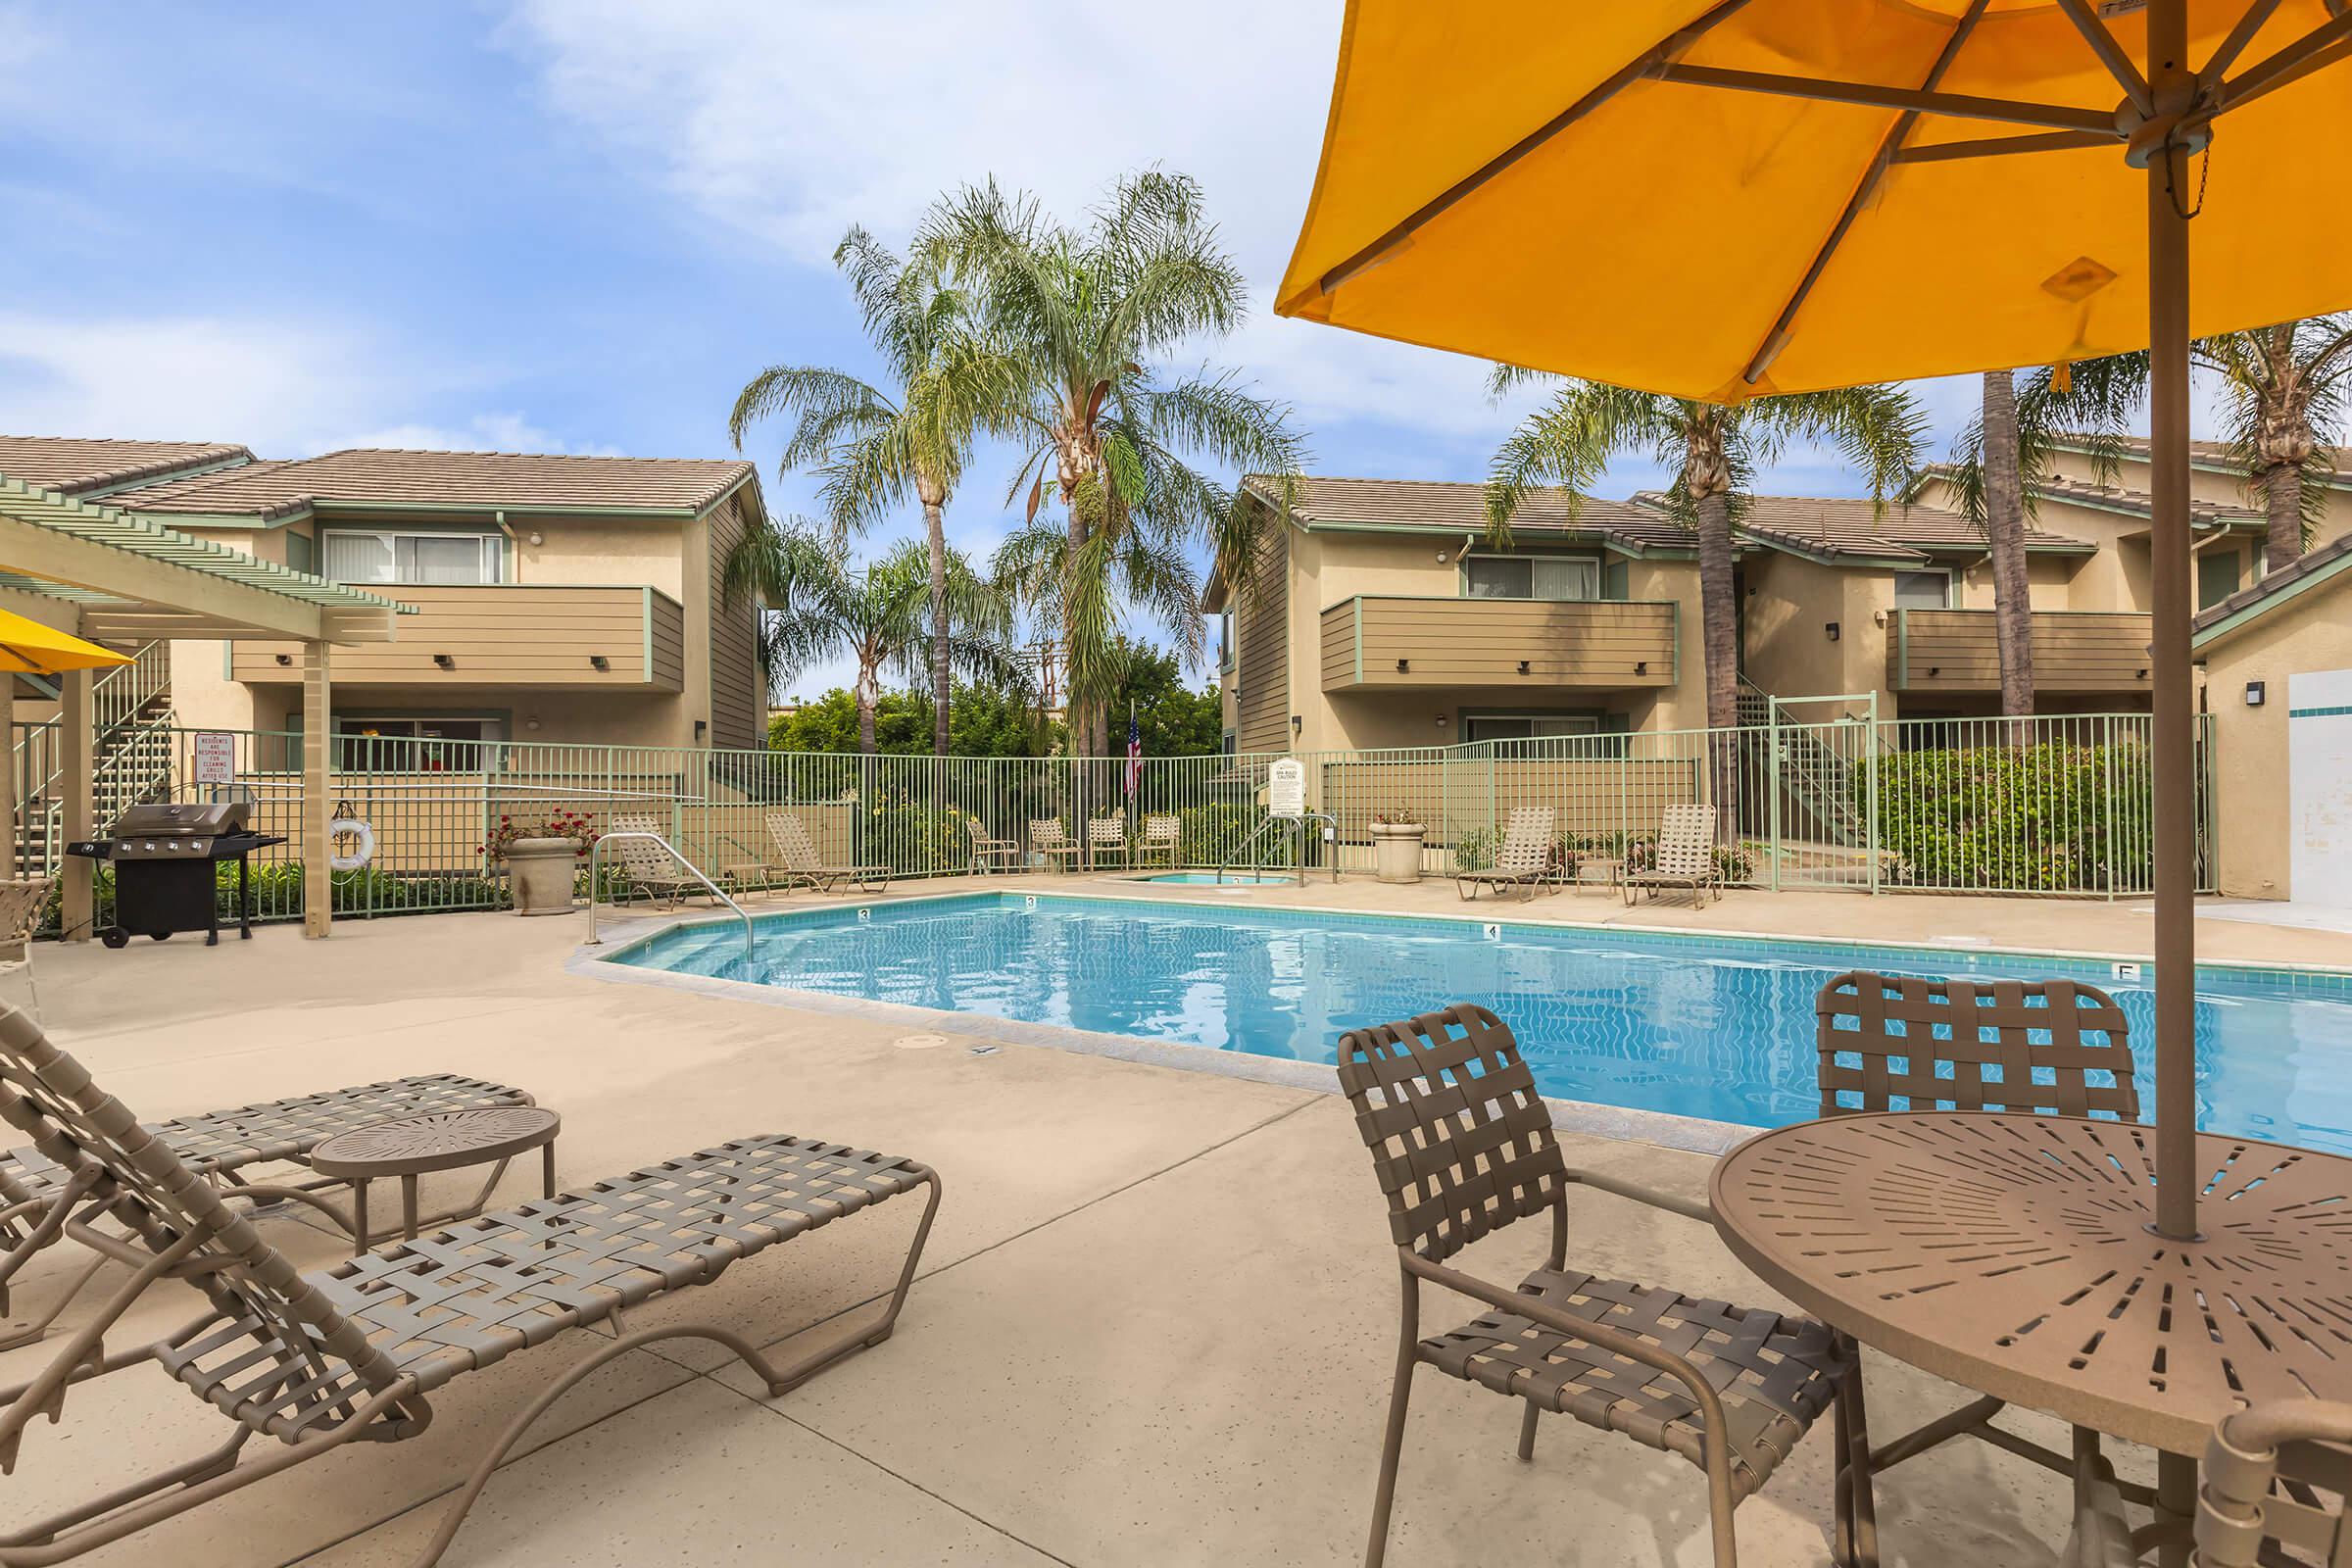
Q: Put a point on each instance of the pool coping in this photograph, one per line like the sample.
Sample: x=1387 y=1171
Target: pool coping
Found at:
x=604 y=961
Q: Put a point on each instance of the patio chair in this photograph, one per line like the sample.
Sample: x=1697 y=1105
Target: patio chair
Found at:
x=217 y=1145
x=1902 y=1043
x=647 y=869
x=1107 y=836
x=1049 y=838
x=803 y=867
x=1524 y=859
x=2277 y=1473
x=1684 y=858
x=1463 y=1147
x=23 y=900
x=353 y=1351
x=1162 y=840
x=1005 y=853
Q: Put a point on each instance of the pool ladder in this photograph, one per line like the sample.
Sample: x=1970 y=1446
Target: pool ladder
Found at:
x=596 y=853
x=1297 y=830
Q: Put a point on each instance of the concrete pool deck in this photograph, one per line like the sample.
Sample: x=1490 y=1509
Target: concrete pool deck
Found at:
x=1155 y=1321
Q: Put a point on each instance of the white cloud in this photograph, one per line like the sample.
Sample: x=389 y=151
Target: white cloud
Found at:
x=484 y=432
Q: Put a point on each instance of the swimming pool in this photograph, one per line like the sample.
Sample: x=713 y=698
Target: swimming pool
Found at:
x=1714 y=1027
x=1207 y=879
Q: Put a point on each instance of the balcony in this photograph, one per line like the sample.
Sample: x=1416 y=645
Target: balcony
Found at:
x=537 y=636
x=2074 y=651
x=1381 y=641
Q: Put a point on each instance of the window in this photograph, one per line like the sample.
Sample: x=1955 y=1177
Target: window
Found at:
x=373 y=557
x=1533 y=576
x=1922 y=590
x=413 y=744
x=2217 y=578
x=302 y=552
x=1225 y=640
x=1527 y=726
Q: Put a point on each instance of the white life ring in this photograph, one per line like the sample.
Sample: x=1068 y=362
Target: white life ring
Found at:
x=351 y=827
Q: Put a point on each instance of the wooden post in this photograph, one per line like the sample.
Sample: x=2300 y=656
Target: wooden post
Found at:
x=12 y=858
x=318 y=799
x=78 y=783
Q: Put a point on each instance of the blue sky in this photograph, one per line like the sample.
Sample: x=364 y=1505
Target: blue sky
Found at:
x=580 y=225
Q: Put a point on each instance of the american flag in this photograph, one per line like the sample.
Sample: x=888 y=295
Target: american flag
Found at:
x=1134 y=753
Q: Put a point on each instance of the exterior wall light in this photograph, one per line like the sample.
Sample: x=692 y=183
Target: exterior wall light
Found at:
x=1442 y=721
x=1641 y=667
x=285 y=659
x=1403 y=664
x=1523 y=667
x=1834 y=631
x=2255 y=693
x=598 y=662
x=445 y=661
x=1298 y=723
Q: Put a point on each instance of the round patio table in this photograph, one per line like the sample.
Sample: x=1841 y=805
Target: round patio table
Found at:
x=443 y=1140
x=2013 y=1254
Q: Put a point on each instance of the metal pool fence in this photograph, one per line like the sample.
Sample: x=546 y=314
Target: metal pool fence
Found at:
x=2052 y=806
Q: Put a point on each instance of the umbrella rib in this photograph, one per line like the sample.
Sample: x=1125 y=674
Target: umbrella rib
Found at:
x=2111 y=54
x=1641 y=66
x=1873 y=95
x=2324 y=45
x=1941 y=152
x=1872 y=177
x=2218 y=68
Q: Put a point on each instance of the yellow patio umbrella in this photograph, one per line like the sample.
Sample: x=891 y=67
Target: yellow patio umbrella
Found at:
x=1717 y=200
x=29 y=648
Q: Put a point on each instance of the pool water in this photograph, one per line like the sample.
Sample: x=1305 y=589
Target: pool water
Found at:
x=1205 y=879
x=1714 y=1027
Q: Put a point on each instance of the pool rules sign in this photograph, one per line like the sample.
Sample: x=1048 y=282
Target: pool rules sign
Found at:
x=1285 y=786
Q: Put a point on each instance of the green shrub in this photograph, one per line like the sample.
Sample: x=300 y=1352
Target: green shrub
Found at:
x=1216 y=834
x=2033 y=818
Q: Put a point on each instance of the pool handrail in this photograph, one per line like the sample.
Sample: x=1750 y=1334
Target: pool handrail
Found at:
x=596 y=850
x=1297 y=826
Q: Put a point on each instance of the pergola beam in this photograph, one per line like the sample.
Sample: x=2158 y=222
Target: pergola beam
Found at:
x=1866 y=188
x=37 y=551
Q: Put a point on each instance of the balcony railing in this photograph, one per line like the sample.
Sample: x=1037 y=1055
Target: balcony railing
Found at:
x=543 y=636
x=2074 y=651
x=1378 y=640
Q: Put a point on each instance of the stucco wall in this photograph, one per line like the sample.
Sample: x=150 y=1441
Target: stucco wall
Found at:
x=2225 y=489
x=2311 y=632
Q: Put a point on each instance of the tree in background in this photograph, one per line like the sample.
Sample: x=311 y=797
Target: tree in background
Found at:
x=1085 y=312
x=1713 y=450
x=2003 y=456
x=990 y=721
x=2286 y=389
x=873 y=450
x=822 y=608
x=1172 y=718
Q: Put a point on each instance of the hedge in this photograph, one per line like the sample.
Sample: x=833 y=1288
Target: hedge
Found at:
x=2043 y=818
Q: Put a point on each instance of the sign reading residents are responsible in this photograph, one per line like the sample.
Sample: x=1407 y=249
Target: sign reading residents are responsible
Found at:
x=214 y=757
x=1285 y=786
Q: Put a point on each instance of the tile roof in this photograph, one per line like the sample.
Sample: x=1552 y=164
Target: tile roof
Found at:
x=2139 y=504
x=73 y=466
x=1426 y=505
x=2327 y=557
x=1834 y=527
x=488 y=480
x=2207 y=454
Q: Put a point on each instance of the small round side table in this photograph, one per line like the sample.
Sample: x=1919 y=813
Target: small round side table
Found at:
x=444 y=1139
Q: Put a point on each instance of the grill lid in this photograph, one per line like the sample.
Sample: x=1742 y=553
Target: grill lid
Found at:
x=209 y=818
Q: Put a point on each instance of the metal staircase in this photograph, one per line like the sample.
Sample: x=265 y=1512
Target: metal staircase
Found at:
x=1814 y=777
x=130 y=760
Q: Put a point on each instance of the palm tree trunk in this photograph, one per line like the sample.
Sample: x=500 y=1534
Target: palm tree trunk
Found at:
x=2005 y=537
x=943 y=683
x=1719 y=612
x=1719 y=620
x=2282 y=498
x=868 y=695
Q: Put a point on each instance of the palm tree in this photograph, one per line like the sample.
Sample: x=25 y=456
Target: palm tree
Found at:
x=1085 y=312
x=2285 y=388
x=1713 y=449
x=873 y=450
x=2000 y=460
x=819 y=607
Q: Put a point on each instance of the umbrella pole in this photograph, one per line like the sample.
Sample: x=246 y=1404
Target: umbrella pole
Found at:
x=2174 y=805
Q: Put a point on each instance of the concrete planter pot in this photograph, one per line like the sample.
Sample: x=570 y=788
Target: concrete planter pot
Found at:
x=539 y=872
x=1396 y=851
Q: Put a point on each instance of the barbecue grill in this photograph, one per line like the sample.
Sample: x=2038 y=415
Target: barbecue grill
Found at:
x=164 y=858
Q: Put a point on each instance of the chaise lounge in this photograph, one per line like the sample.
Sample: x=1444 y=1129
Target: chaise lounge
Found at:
x=1523 y=862
x=803 y=867
x=353 y=1353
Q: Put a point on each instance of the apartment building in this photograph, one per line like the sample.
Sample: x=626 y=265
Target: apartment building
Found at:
x=1378 y=615
x=560 y=599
